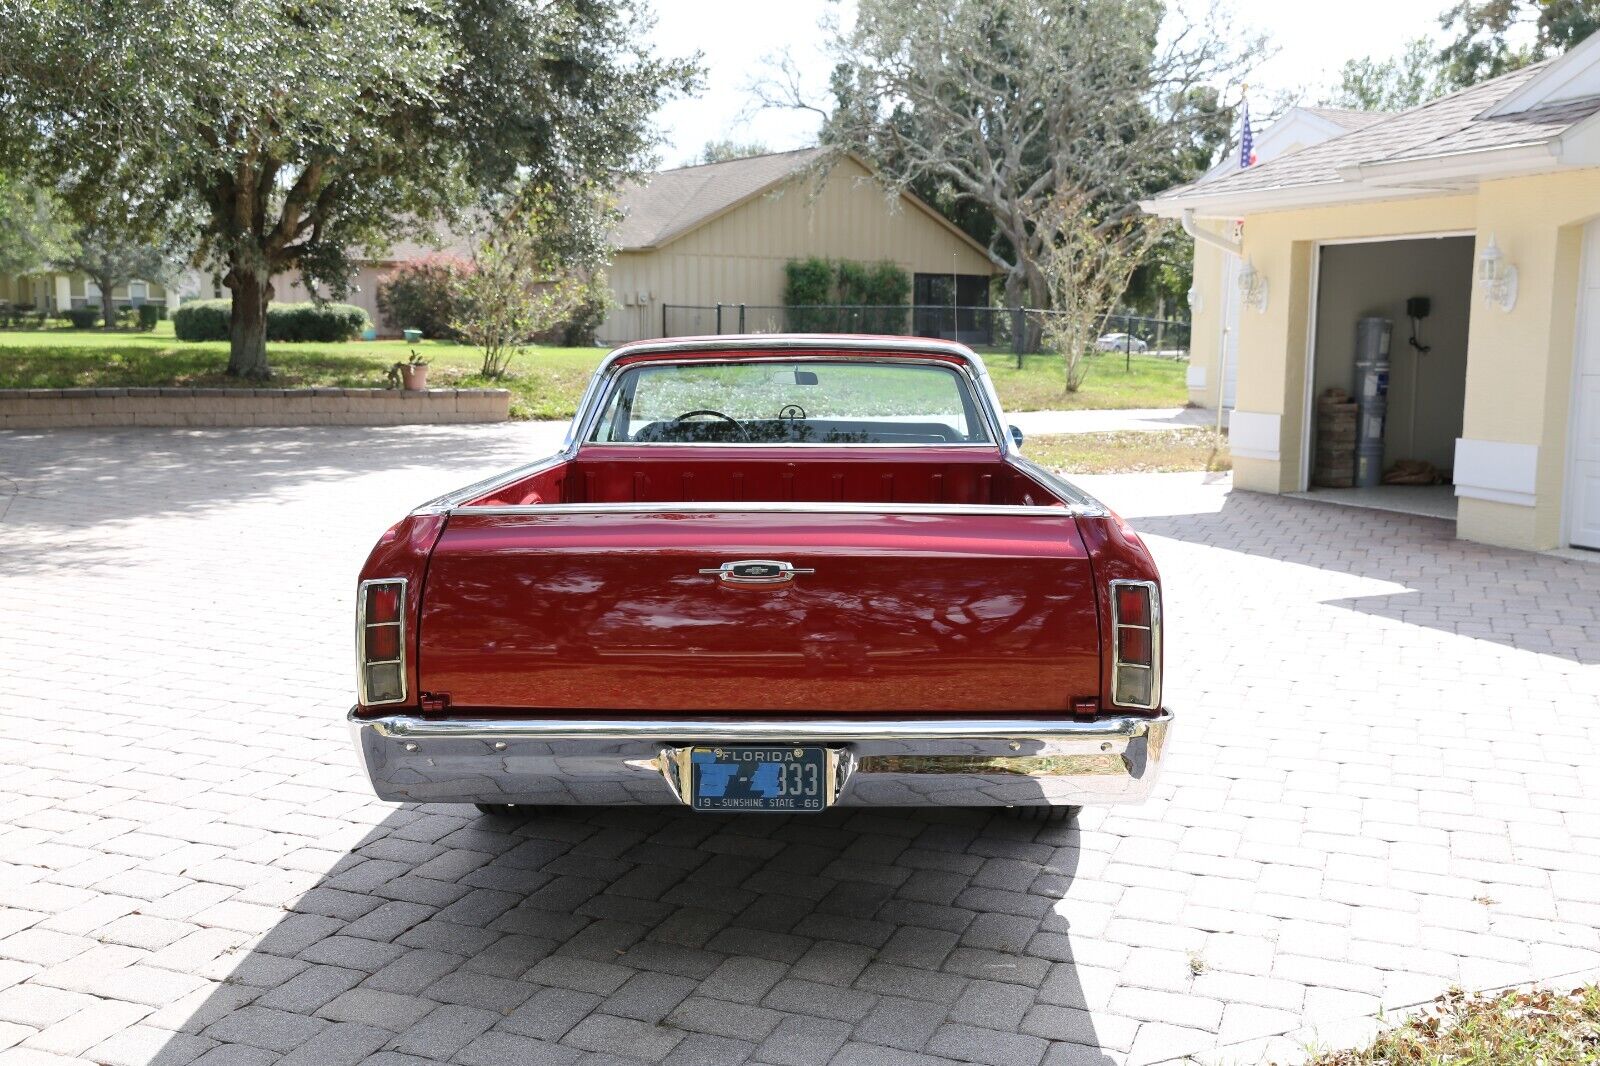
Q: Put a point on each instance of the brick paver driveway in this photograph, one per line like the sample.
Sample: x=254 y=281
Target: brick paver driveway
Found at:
x=1383 y=782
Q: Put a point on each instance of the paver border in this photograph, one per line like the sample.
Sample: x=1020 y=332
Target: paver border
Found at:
x=103 y=408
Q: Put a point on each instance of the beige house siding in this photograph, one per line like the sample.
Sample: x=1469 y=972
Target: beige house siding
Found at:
x=288 y=288
x=739 y=256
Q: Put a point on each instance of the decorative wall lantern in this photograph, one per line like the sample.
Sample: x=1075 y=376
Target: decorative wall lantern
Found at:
x=1252 y=287
x=1497 y=279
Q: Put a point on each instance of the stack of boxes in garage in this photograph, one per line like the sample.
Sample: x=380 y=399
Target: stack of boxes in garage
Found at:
x=1335 y=466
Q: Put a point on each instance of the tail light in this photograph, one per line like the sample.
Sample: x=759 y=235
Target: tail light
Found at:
x=381 y=641
x=1136 y=624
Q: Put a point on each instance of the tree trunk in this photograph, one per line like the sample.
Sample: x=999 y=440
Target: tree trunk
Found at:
x=1020 y=293
x=247 y=350
x=108 y=306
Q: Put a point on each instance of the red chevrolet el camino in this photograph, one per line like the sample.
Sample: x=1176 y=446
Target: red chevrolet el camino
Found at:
x=766 y=573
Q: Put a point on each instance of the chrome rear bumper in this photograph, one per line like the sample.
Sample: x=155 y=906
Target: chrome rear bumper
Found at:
x=885 y=762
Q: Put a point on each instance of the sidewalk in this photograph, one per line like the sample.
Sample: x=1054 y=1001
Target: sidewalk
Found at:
x=1147 y=419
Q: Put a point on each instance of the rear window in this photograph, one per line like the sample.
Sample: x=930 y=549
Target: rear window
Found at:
x=790 y=402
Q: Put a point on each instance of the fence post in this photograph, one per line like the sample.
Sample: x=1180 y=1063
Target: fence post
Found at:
x=663 y=319
x=719 y=319
x=741 y=318
x=1019 y=325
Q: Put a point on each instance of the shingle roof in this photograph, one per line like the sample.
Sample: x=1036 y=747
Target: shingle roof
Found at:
x=669 y=203
x=1348 y=117
x=1450 y=125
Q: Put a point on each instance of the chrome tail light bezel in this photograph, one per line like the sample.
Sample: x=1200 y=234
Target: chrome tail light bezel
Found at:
x=1152 y=593
x=363 y=664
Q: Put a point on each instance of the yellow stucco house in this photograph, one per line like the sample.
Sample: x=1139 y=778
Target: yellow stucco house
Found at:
x=695 y=237
x=1481 y=209
x=56 y=291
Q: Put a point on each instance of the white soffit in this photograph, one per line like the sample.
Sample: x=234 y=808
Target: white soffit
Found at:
x=1497 y=470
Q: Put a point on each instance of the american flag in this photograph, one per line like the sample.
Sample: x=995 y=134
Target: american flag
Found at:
x=1247 y=139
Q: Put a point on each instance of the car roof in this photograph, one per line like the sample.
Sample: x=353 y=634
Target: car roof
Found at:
x=736 y=345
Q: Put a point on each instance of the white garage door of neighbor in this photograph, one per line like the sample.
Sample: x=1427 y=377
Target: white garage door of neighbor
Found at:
x=1583 y=493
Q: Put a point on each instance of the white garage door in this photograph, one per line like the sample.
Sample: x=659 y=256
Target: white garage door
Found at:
x=1583 y=494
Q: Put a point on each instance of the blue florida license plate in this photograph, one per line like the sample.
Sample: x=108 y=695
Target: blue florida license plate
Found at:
x=759 y=778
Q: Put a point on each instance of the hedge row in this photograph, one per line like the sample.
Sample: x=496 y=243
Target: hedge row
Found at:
x=210 y=320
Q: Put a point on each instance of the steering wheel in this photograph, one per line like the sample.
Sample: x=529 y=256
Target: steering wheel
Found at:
x=715 y=414
x=792 y=412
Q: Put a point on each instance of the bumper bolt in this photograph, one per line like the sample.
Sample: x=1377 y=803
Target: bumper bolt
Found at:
x=499 y=745
x=1016 y=745
x=411 y=745
x=1106 y=746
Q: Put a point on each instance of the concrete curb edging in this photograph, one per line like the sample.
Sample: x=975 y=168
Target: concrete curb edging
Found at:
x=1293 y=1046
x=103 y=408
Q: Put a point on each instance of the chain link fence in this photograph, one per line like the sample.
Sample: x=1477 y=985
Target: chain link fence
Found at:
x=995 y=329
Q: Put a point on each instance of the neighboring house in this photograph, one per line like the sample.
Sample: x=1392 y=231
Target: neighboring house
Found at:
x=369 y=274
x=1486 y=202
x=1216 y=272
x=53 y=291
x=720 y=233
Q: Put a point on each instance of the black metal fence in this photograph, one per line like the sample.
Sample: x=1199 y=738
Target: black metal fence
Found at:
x=1015 y=329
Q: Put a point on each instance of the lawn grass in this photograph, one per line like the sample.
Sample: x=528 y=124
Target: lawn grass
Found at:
x=1538 y=1028
x=544 y=382
x=1114 y=382
x=1130 y=451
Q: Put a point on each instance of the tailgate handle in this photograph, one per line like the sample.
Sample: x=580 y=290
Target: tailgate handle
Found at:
x=757 y=572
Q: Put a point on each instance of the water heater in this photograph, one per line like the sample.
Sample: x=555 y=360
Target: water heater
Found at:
x=1372 y=397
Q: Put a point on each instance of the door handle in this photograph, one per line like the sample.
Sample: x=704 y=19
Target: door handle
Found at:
x=756 y=572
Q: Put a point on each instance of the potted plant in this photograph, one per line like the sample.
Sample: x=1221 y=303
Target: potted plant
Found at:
x=411 y=375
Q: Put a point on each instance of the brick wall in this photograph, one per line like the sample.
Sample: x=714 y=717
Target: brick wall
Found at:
x=68 y=408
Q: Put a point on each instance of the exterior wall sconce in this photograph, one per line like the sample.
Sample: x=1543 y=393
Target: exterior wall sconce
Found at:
x=1497 y=279
x=1196 y=305
x=1252 y=287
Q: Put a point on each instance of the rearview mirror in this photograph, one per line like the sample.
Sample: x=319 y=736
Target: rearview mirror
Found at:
x=805 y=377
x=1016 y=435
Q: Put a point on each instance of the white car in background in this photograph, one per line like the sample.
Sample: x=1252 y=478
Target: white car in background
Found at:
x=1120 y=342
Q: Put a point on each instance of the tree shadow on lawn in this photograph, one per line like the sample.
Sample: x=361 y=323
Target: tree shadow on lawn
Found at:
x=1524 y=600
x=655 y=932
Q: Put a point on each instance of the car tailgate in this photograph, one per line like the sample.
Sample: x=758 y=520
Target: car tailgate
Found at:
x=902 y=612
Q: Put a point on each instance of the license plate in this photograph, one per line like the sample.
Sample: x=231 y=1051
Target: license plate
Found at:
x=759 y=778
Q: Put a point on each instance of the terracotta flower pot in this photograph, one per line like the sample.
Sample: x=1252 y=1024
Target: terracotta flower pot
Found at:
x=414 y=378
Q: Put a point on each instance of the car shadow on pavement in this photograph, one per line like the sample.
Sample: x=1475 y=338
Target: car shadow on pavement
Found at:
x=1524 y=600
x=656 y=934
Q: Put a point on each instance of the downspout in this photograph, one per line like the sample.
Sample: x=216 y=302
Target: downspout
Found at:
x=1205 y=236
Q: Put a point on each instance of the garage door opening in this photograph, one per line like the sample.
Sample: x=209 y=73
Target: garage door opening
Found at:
x=1422 y=289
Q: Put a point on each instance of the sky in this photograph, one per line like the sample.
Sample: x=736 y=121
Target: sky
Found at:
x=739 y=38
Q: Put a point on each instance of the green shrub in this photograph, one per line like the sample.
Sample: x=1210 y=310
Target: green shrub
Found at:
x=322 y=323
x=877 y=291
x=422 y=295
x=149 y=315
x=578 y=330
x=202 y=320
x=808 y=283
x=845 y=297
x=210 y=320
x=84 y=317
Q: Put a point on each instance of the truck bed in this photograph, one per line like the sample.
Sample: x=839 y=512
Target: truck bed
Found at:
x=683 y=474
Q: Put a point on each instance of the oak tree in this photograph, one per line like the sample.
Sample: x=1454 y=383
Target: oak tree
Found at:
x=308 y=132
